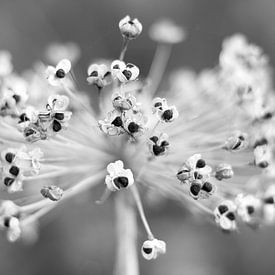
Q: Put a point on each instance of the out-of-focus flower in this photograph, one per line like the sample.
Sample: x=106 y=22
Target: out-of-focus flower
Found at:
x=6 y=66
x=166 y=31
x=57 y=51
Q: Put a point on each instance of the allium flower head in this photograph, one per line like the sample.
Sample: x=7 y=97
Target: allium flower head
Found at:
x=206 y=141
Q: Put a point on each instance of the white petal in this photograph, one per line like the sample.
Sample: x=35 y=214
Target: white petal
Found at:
x=65 y=65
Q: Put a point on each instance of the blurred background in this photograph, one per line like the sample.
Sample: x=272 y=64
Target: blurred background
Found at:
x=78 y=237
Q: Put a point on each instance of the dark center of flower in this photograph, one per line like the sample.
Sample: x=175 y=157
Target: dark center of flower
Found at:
x=14 y=170
x=263 y=164
x=154 y=139
x=94 y=74
x=9 y=157
x=8 y=181
x=60 y=73
x=7 y=222
x=167 y=115
x=29 y=132
x=116 y=67
x=121 y=182
x=56 y=126
x=16 y=98
x=250 y=209
x=117 y=121
x=207 y=187
x=200 y=163
x=147 y=250
x=157 y=150
x=23 y=117
x=127 y=74
x=133 y=127
x=222 y=209
x=269 y=200
x=231 y=216
x=59 y=116
x=195 y=189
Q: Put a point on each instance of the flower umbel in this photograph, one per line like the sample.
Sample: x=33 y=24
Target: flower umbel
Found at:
x=211 y=147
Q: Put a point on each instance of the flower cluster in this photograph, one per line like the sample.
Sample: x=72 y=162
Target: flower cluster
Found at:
x=206 y=141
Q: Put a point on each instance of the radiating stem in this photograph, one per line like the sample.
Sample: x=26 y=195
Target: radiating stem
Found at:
x=126 y=231
x=124 y=48
x=158 y=66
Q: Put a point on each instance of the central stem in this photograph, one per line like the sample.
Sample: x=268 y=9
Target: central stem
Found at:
x=126 y=230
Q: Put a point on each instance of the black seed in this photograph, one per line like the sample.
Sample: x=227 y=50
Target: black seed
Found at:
x=231 y=216
x=16 y=98
x=107 y=74
x=130 y=65
x=29 y=132
x=14 y=170
x=127 y=74
x=157 y=150
x=207 y=187
x=263 y=164
x=121 y=182
x=222 y=209
x=268 y=115
x=23 y=117
x=116 y=67
x=131 y=22
x=117 y=121
x=147 y=250
x=195 y=189
x=158 y=104
x=200 y=163
x=9 y=157
x=133 y=127
x=260 y=142
x=241 y=137
x=154 y=139
x=250 y=209
x=60 y=73
x=269 y=200
x=197 y=175
x=56 y=126
x=164 y=143
x=8 y=181
x=237 y=145
x=167 y=115
x=94 y=74
x=7 y=222
x=59 y=116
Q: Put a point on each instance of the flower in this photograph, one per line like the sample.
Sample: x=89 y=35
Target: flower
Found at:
x=130 y=28
x=124 y=72
x=99 y=75
x=166 y=31
x=225 y=215
x=118 y=176
x=159 y=144
x=56 y=74
x=164 y=112
x=151 y=249
x=52 y=192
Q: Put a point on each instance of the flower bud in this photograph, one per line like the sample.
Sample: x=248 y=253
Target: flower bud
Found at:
x=130 y=28
x=224 y=171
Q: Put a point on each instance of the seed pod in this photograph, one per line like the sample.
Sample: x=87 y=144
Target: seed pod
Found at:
x=52 y=192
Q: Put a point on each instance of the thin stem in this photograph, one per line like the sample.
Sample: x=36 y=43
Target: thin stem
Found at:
x=124 y=48
x=141 y=212
x=126 y=230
